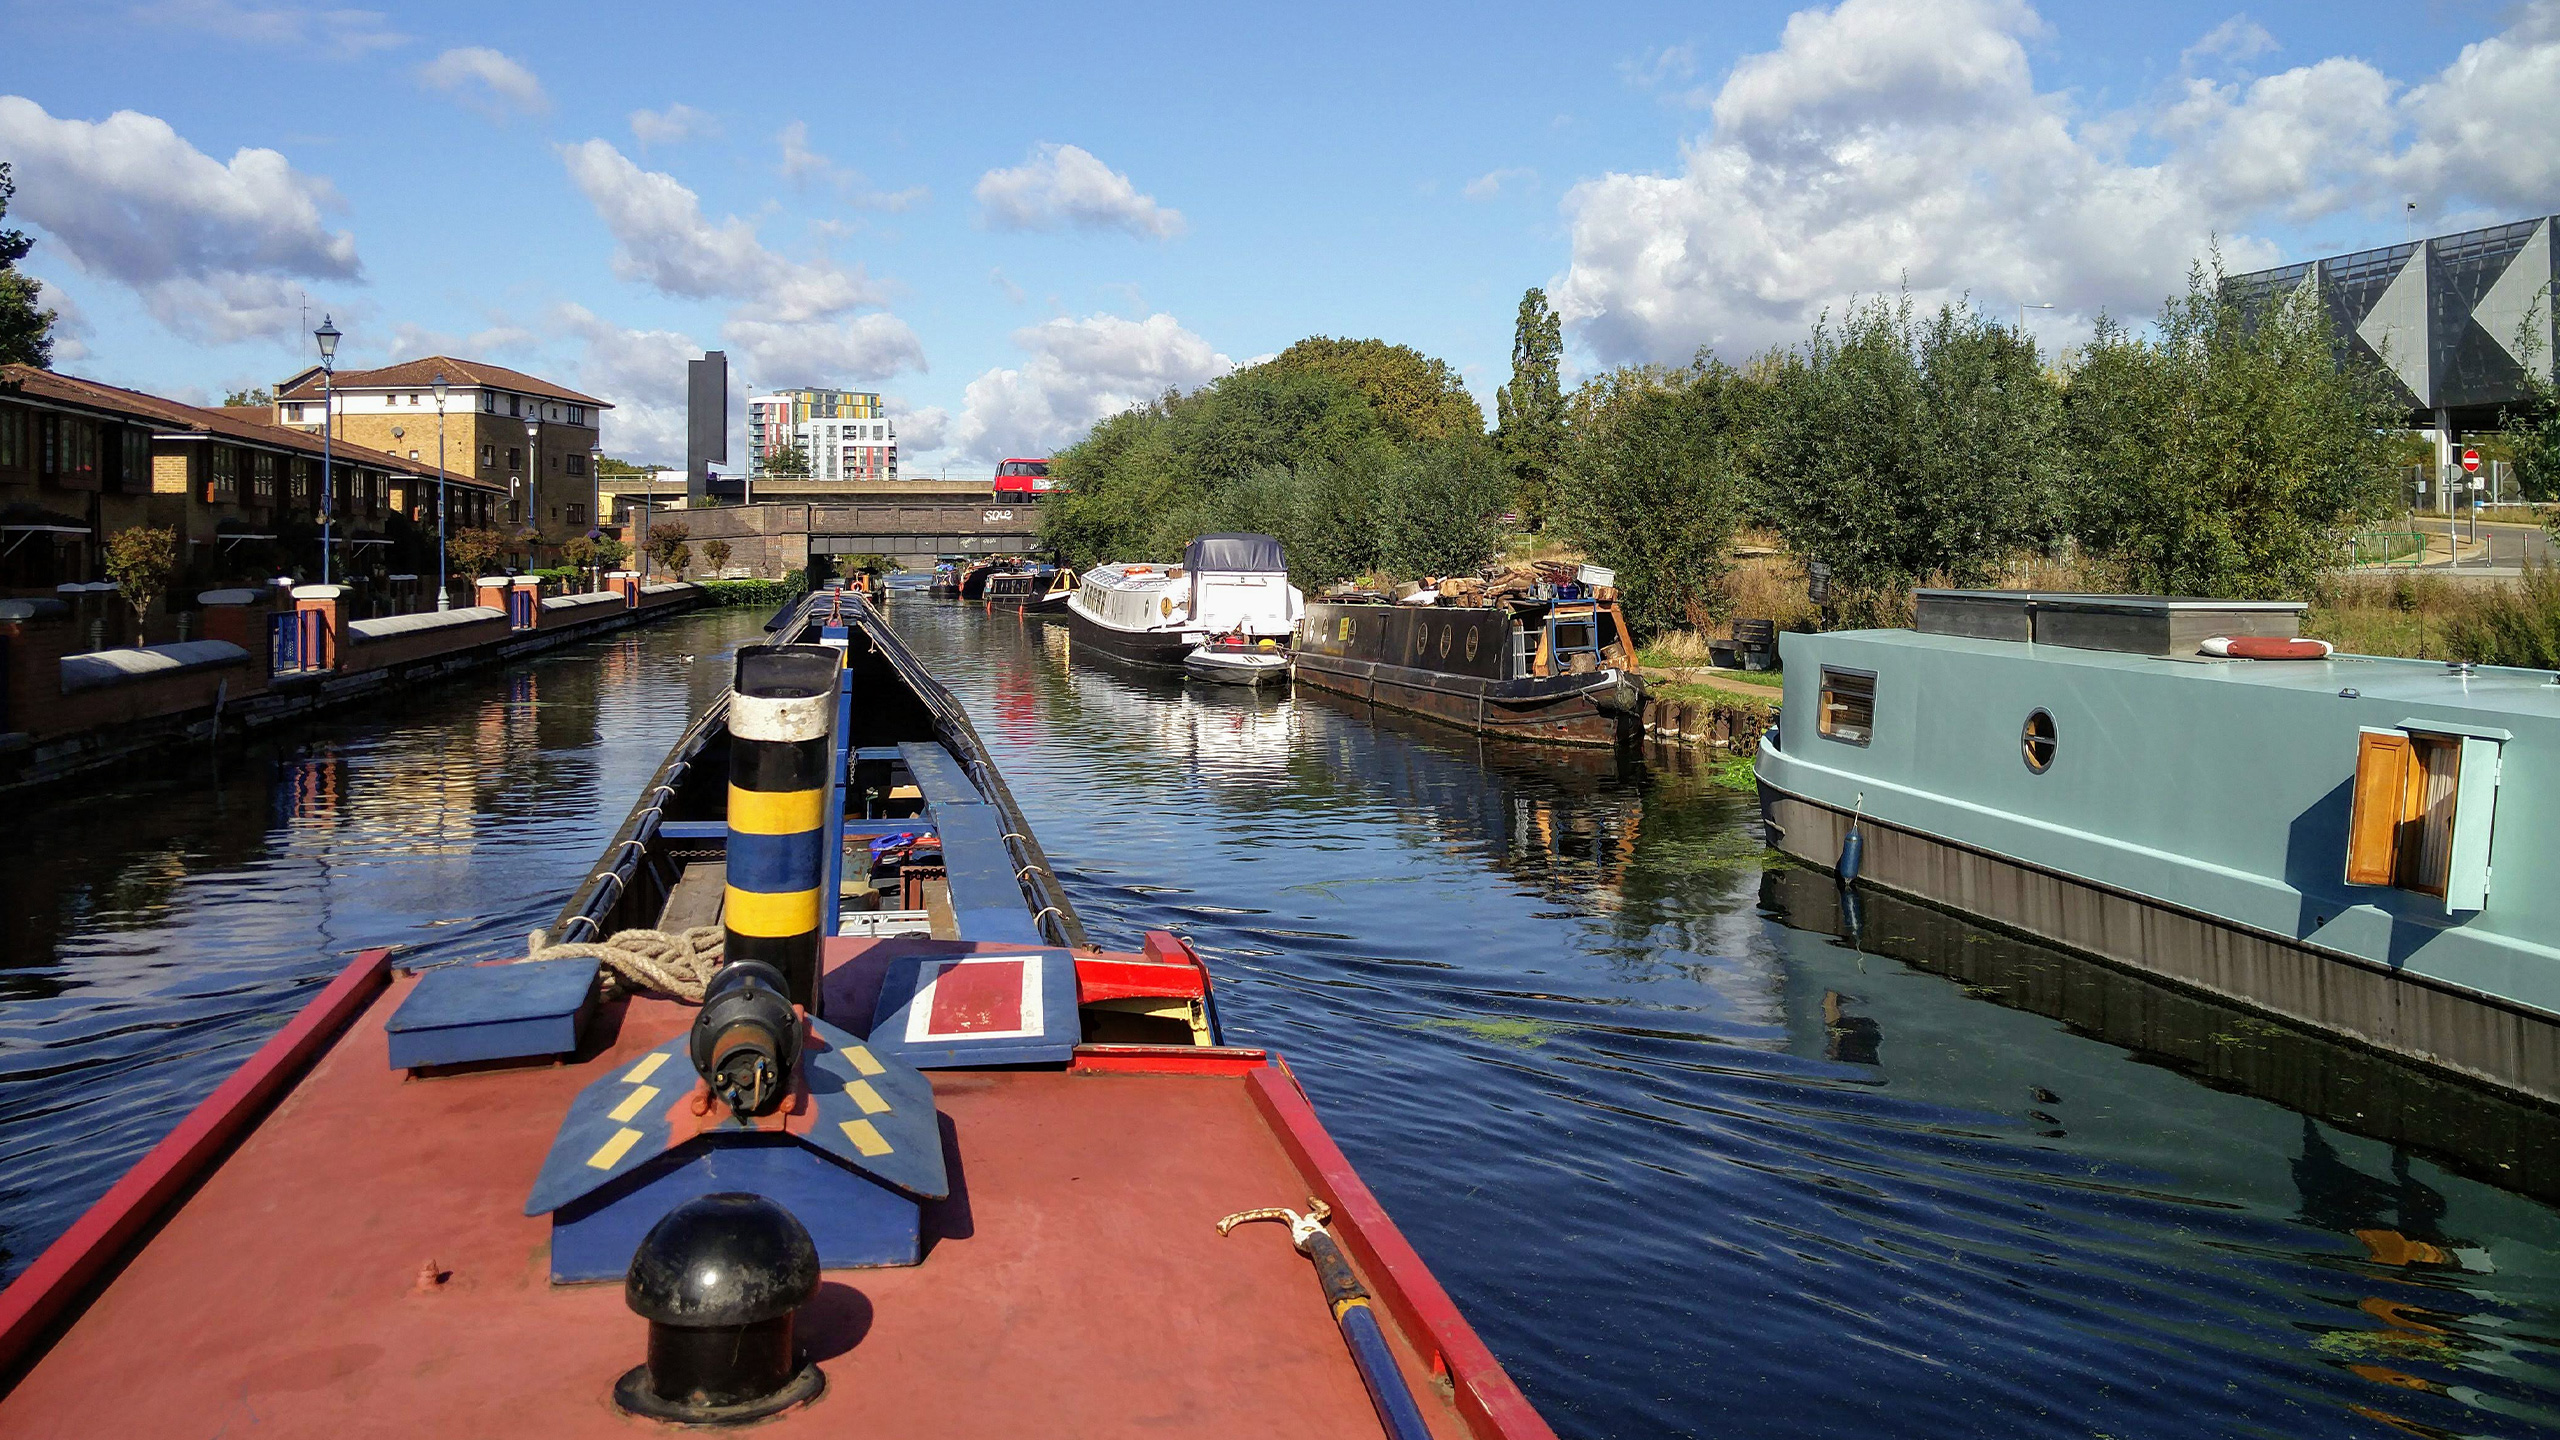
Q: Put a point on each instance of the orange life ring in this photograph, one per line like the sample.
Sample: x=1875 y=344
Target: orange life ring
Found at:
x=2266 y=647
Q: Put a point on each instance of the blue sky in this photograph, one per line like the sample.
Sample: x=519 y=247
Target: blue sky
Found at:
x=1016 y=221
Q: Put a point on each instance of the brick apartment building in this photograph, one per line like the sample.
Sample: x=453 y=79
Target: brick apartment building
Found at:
x=533 y=442
x=81 y=460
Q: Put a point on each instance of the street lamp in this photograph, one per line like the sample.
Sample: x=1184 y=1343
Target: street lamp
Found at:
x=2026 y=305
x=327 y=335
x=444 y=589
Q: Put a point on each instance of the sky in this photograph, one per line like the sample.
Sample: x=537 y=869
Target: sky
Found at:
x=1014 y=222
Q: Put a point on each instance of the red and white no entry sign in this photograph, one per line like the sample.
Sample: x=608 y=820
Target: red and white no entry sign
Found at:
x=2471 y=461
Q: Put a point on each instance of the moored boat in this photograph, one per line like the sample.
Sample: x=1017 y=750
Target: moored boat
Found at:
x=1020 y=587
x=974 y=578
x=2309 y=834
x=1232 y=660
x=1156 y=615
x=1552 y=669
x=921 y=1163
x=946 y=576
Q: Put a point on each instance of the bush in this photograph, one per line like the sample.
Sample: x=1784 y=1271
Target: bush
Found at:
x=2517 y=625
x=1653 y=486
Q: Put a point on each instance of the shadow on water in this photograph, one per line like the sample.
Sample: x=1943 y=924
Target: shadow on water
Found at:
x=1694 y=1165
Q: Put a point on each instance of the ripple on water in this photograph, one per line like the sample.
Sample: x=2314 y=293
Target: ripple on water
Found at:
x=1693 y=1163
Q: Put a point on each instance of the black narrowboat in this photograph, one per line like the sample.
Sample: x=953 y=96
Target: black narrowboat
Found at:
x=1547 y=671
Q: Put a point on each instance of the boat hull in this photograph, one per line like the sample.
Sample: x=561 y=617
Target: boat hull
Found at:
x=1226 y=670
x=2431 y=1023
x=1147 y=649
x=1584 y=711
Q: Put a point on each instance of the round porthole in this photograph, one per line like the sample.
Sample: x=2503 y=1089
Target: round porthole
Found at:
x=1471 y=642
x=1445 y=633
x=2037 y=741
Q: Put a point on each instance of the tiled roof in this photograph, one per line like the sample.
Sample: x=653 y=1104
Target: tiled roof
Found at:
x=420 y=373
x=247 y=424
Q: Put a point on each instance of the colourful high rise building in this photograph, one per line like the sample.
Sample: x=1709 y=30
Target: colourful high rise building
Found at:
x=844 y=435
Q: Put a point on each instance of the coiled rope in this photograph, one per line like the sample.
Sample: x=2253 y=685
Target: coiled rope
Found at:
x=674 y=965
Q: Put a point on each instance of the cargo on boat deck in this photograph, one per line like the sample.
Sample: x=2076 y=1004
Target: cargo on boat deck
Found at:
x=935 y=1195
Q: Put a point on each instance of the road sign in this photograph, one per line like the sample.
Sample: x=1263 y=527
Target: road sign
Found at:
x=2471 y=461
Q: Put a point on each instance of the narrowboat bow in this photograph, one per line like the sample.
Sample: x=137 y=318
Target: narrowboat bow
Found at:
x=913 y=1158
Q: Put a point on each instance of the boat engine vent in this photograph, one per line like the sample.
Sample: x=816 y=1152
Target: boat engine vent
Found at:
x=719 y=1280
x=2131 y=624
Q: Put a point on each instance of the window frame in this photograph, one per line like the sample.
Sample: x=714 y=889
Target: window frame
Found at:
x=1823 y=704
x=2422 y=811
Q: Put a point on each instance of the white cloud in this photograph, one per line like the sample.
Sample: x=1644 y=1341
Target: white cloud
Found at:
x=486 y=81
x=801 y=164
x=212 y=248
x=919 y=431
x=826 y=352
x=1891 y=141
x=1489 y=184
x=70 y=323
x=674 y=125
x=668 y=243
x=1079 y=371
x=2236 y=39
x=348 y=34
x=1060 y=187
x=501 y=337
x=642 y=374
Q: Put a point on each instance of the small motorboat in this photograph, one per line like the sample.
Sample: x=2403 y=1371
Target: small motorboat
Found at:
x=1235 y=660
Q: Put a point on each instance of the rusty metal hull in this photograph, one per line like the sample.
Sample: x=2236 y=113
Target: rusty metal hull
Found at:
x=1584 y=711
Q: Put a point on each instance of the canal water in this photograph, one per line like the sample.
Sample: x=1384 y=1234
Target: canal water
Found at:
x=1700 y=1150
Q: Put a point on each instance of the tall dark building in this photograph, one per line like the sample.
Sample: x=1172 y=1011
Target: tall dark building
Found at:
x=706 y=421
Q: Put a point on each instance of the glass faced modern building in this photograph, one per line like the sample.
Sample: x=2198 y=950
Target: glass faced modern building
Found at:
x=845 y=435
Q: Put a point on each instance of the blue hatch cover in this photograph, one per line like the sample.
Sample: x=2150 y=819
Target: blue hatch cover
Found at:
x=940 y=1012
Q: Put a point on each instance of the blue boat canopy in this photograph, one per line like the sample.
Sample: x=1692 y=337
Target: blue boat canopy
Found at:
x=1249 y=554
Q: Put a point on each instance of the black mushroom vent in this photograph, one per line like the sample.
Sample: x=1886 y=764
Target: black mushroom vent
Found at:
x=719 y=1280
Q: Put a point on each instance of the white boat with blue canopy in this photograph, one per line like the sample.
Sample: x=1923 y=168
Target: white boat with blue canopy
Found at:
x=1156 y=615
x=2361 y=844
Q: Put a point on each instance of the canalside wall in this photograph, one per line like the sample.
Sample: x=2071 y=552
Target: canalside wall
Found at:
x=266 y=656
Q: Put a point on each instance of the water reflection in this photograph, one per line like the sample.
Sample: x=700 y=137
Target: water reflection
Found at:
x=155 y=929
x=1696 y=1164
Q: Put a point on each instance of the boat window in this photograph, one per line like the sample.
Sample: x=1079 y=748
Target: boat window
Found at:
x=2037 y=739
x=1848 y=709
x=2421 y=814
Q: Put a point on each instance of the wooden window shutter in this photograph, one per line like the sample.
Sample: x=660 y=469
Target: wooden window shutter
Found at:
x=2382 y=779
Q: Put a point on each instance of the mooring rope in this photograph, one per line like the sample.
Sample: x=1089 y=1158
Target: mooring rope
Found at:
x=675 y=965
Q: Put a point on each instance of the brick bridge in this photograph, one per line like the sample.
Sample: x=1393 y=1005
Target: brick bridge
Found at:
x=910 y=521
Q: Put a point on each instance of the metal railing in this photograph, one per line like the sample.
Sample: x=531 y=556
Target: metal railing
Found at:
x=2387 y=547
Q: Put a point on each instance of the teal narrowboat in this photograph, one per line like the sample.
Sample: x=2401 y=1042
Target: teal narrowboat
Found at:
x=2363 y=845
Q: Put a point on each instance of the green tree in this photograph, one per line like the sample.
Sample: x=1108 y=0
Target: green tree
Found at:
x=141 y=561
x=787 y=461
x=1530 y=428
x=1415 y=396
x=1654 y=483
x=473 y=551
x=717 y=552
x=2532 y=425
x=1896 y=448
x=257 y=397
x=2226 y=455
x=26 y=332
x=1440 y=508
x=608 y=553
x=607 y=465
x=666 y=545
x=578 y=551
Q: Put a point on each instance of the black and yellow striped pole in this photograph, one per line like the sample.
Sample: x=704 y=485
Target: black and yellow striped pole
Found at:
x=779 y=752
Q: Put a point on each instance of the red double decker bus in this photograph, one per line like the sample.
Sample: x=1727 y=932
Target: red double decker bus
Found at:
x=1023 y=477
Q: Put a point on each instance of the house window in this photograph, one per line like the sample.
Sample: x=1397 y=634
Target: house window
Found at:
x=489 y=401
x=2422 y=813
x=515 y=458
x=222 y=474
x=488 y=456
x=262 y=479
x=577 y=464
x=137 y=461
x=575 y=514
x=577 y=414
x=1847 y=709
x=515 y=406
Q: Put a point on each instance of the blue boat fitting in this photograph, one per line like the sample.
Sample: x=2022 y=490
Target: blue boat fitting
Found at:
x=1349 y=1301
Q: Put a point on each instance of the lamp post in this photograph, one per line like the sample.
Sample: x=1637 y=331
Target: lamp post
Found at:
x=2026 y=305
x=327 y=335
x=444 y=588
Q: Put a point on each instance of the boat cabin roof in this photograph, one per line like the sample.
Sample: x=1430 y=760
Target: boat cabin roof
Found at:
x=1134 y=575
x=2488 y=689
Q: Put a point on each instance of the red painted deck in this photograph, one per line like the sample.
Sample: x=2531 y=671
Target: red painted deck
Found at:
x=1076 y=1284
